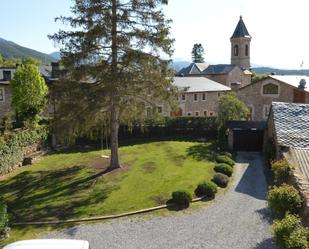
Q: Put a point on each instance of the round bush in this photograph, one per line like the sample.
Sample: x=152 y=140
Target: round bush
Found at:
x=284 y=199
x=181 y=198
x=224 y=169
x=208 y=189
x=289 y=233
x=282 y=171
x=225 y=159
x=221 y=180
x=228 y=154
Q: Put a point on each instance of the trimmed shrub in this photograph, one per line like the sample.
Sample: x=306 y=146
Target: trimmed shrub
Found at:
x=181 y=198
x=208 y=189
x=220 y=179
x=224 y=169
x=289 y=233
x=228 y=154
x=284 y=199
x=225 y=159
x=282 y=171
x=4 y=221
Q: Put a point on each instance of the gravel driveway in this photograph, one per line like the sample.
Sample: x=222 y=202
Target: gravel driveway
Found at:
x=237 y=219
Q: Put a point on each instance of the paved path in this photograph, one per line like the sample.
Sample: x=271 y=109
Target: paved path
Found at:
x=237 y=220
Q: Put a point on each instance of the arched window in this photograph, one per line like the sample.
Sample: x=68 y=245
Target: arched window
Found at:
x=270 y=88
x=247 y=50
x=236 y=50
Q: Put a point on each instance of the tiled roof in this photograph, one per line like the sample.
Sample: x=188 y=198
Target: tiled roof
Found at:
x=199 y=84
x=291 y=124
x=219 y=69
x=301 y=158
x=241 y=30
x=292 y=80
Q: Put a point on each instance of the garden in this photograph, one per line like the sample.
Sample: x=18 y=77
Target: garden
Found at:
x=73 y=184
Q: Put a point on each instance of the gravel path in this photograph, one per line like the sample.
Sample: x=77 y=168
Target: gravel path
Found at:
x=238 y=219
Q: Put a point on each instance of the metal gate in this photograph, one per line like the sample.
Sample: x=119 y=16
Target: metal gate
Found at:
x=248 y=140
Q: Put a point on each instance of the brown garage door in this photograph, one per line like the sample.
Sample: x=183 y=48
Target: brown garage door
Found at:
x=248 y=140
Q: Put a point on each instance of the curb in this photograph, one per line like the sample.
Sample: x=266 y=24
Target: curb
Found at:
x=108 y=217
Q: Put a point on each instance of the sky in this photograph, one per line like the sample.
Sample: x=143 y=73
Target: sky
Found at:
x=279 y=28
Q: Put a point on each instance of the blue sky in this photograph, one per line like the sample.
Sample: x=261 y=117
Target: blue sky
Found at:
x=279 y=28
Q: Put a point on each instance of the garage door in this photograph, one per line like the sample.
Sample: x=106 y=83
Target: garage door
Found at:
x=248 y=140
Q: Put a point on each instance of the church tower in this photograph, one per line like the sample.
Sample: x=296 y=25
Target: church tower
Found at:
x=240 y=46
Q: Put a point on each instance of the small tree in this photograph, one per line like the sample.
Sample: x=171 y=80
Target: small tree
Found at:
x=198 y=53
x=29 y=92
x=230 y=108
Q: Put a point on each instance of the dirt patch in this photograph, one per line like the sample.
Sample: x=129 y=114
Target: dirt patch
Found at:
x=149 y=167
x=160 y=199
x=99 y=164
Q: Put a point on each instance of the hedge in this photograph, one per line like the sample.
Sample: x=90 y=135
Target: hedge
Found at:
x=12 y=148
x=4 y=221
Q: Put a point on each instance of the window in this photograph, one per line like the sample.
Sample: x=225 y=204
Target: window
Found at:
x=1 y=94
x=7 y=75
x=266 y=111
x=148 y=111
x=205 y=113
x=251 y=112
x=236 y=50
x=270 y=89
x=195 y=97
x=160 y=109
x=211 y=114
x=197 y=113
x=188 y=114
x=203 y=96
x=183 y=97
x=247 y=50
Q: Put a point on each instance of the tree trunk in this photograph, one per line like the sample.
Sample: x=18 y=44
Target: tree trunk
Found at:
x=114 y=162
x=114 y=122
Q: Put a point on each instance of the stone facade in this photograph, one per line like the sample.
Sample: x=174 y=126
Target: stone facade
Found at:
x=260 y=103
x=240 y=52
x=235 y=76
x=5 y=99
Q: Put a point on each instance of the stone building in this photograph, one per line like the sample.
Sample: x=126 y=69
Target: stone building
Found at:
x=199 y=97
x=259 y=96
x=288 y=128
x=234 y=75
x=6 y=74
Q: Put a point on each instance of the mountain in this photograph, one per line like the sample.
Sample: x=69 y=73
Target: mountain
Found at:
x=177 y=65
x=10 y=49
x=55 y=55
x=269 y=70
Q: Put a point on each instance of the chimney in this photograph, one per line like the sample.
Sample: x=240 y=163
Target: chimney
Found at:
x=302 y=84
x=55 y=70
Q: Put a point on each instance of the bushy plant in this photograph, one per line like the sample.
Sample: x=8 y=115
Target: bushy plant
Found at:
x=224 y=169
x=225 y=159
x=208 y=189
x=282 y=171
x=228 y=154
x=284 y=199
x=4 y=221
x=220 y=179
x=181 y=198
x=289 y=233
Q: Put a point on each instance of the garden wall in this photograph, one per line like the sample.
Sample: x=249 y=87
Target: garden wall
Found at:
x=17 y=145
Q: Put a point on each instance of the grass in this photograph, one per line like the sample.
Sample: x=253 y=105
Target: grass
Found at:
x=70 y=185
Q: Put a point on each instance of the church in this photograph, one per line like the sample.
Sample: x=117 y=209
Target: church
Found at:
x=234 y=75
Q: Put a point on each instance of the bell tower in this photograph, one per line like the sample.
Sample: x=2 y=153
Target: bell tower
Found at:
x=240 y=46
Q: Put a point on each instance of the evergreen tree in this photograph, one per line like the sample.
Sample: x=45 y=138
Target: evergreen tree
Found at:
x=198 y=53
x=116 y=46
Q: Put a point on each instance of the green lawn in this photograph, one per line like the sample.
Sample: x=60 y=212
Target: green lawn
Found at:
x=68 y=185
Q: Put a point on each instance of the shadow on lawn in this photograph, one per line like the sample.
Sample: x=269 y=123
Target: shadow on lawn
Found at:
x=58 y=194
x=203 y=151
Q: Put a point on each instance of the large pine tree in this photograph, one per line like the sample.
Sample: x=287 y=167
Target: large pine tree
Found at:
x=113 y=61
